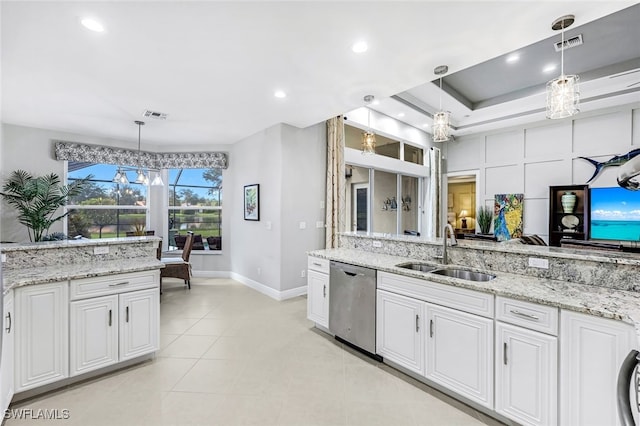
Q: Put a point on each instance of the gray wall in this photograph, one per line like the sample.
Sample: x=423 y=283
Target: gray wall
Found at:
x=529 y=159
x=289 y=164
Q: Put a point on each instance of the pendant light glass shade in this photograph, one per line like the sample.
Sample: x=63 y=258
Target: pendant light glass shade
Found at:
x=441 y=119
x=121 y=177
x=441 y=126
x=141 y=178
x=368 y=142
x=563 y=94
x=157 y=180
x=368 y=137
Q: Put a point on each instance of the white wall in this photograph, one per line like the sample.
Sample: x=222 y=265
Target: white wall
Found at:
x=531 y=158
x=289 y=164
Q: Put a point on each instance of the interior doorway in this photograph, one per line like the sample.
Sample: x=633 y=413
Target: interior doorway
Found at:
x=360 y=197
x=462 y=200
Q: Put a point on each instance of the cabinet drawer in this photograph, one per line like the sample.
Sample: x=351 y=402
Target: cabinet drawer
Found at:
x=530 y=315
x=113 y=284
x=317 y=264
x=463 y=299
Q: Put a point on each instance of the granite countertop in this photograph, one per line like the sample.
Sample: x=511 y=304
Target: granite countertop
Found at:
x=599 y=301
x=506 y=247
x=42 y=245
x=48 y=274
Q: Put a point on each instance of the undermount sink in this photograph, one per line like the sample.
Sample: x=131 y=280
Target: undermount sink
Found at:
x=422 y=267
x=464 y=275
x=447 y=272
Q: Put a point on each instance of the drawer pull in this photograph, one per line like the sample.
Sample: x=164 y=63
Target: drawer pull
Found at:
x=117 y=284
x=8 y=329
x=319 y=265
x=417 y=323
x=524 y=315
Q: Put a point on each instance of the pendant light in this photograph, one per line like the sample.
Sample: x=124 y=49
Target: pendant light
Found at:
x=141 y=177
x=563 y=94
x=441 y=119
x=368 y=137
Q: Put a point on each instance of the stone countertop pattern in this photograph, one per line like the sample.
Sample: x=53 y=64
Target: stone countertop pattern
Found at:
x=599 y=301
x=42 y=245
x=506 y=247
x=49 y=274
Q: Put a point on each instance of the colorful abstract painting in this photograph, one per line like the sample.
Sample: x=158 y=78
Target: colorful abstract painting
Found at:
x=507 y=222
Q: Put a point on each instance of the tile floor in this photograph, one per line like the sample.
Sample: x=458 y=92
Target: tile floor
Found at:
x=232 y=356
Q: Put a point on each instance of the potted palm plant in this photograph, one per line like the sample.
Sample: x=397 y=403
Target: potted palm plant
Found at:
x=38 y=199
x=484 y=217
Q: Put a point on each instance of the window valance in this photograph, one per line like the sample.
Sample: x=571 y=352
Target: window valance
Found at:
x=72 y=151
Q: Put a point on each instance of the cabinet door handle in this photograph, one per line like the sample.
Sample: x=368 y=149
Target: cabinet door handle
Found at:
x=117 y=284
x=504 y=353
x=324 y=291
x=524 y=315
x=110 y=317
x=8 y=329
x=417 y=323
x=430 y=328
x=126 y=314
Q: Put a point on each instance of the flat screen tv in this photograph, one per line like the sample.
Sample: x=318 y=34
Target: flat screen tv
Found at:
x=615 y=214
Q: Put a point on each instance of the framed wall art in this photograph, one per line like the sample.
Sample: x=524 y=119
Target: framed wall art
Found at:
x=252 y=202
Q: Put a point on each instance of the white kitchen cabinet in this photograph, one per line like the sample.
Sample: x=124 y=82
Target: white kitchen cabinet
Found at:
x=460 y=353
x=139 y=323
x=42 y=334
x=526 y=375
x=591 y=352
x=6 y=363
x=116 y=327
x=93 y=333
x=400 y=330
x=318 y=291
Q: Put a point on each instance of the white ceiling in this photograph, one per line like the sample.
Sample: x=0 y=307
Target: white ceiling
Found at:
x=213 y=66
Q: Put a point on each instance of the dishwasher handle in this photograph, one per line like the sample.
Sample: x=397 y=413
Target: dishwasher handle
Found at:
x=625 y=376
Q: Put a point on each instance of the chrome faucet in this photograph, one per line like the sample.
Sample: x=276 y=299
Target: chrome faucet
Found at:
x=452 y=236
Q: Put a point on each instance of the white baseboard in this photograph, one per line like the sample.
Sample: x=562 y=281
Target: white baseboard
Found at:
x=211 y=274
x=271 y=292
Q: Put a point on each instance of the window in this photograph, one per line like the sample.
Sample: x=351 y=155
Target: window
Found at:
x=195 y=204
x=105 y=209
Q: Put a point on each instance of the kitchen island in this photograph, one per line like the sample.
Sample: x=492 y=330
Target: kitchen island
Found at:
x=541 y=343
x=75 y=309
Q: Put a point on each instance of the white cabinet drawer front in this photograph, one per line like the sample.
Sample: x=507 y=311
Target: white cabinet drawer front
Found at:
x=462 y=299
x=529 y=315
x=317 y=264
x=113 y=284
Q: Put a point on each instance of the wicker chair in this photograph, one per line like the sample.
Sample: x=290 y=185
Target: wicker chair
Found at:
x=178 y=267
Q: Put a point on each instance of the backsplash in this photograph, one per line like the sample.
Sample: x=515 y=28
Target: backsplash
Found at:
x=611 y=270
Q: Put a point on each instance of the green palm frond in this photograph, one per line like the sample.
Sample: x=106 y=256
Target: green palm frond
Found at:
x=37 y=199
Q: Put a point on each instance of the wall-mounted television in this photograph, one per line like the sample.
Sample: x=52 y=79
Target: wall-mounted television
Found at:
x=615 y=214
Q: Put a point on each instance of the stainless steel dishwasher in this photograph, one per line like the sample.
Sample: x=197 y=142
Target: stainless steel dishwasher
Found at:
x=352 y=305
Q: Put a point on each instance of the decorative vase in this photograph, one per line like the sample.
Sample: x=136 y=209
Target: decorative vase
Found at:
x=568 y=201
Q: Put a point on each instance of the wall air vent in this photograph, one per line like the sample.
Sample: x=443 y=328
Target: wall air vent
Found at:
x=155 y=115
x=568 y=43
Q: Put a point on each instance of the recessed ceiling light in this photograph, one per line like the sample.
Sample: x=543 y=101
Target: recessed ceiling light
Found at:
x=401 y=114
x=549 y=68
x=359 y=47
x=280 y=94
x=92 y=24
x=425 y=125
x=513 y=58
x=376 y=102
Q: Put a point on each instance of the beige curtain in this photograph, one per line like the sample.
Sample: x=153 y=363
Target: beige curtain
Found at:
x=336 y=195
